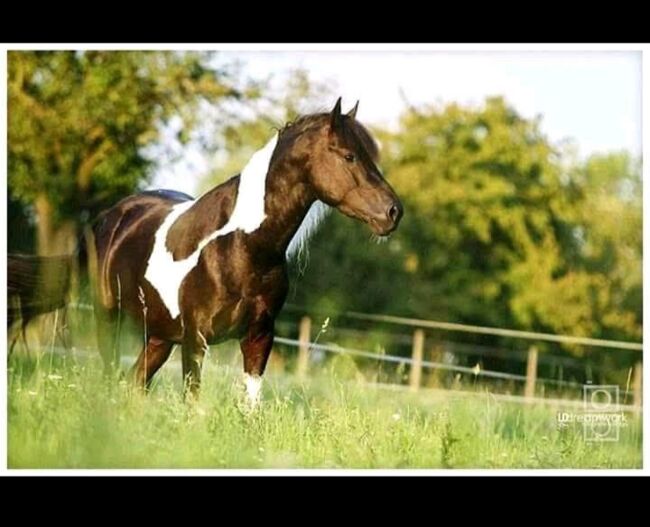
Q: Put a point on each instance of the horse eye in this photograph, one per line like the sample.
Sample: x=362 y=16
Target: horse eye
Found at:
x=349 y=158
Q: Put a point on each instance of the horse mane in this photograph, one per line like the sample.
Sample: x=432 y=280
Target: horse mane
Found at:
x=354 y=134
x=298 y=245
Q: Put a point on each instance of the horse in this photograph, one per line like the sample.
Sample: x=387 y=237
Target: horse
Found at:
x=196 y=272
x=36 y=285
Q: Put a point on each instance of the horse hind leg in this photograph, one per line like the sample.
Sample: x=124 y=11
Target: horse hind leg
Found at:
x=193 y=351
x=108 y=339
x=150 y=360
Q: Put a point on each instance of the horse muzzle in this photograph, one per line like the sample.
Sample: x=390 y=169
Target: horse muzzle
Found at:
x=382 y=213
x=384 y=224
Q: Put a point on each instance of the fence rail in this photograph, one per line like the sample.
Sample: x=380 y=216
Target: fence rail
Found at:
x=335 y=348
x=417 y=361
x=406 y=339
x=467 y=328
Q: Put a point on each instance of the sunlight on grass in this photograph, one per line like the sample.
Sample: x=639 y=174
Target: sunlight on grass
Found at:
x=64 y=414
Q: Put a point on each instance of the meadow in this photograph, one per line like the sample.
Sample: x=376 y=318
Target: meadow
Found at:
x=62 y=413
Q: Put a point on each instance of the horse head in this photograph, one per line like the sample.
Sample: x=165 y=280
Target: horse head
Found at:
x=343 y=172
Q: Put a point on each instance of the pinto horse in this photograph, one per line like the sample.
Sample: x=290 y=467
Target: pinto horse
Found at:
x=198 y=272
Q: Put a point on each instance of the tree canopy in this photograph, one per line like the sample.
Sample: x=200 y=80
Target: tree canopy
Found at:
x=80 y=122
x=497 y=230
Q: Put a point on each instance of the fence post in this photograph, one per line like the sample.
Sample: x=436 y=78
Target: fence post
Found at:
x=416 y=355
x=637 y=386
x=304 y=337
x=531 y=373
x=433 y=377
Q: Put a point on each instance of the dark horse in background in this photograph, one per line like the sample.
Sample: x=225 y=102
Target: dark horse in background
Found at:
x=198 y=272
x=36 y=285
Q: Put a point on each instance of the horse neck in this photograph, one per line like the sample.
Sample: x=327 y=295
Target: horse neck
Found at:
x=287 y=200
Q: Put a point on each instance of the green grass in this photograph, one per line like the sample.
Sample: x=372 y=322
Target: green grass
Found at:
x=63 y=414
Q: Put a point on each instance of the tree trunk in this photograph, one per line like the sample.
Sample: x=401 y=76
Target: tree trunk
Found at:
x=56 y=239
x=53 y=238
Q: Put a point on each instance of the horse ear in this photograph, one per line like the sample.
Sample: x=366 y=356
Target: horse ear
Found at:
x=335 y=116
x=353 y=113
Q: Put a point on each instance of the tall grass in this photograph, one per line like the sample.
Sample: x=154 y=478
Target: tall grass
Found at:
x=62 y=413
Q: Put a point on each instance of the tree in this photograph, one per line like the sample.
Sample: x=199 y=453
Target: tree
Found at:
x=80 y=122
x=479 y=189
x=497 y=231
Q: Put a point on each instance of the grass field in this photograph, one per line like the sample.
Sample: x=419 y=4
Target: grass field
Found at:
x=63 y=414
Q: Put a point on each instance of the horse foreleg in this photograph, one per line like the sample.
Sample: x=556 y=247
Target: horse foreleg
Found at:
x=150 y=360
x=194 y=348
x=256 y=348
x=108 y=339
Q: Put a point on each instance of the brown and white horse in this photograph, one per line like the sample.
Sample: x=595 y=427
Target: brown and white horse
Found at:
x=197 y=272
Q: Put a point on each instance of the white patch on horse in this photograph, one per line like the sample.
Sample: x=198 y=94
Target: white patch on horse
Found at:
x=308 y=227
x=253 y=384
x=164 y=273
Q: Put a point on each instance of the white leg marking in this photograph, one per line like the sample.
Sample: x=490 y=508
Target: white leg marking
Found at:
x=253 y=385
x=165 y=274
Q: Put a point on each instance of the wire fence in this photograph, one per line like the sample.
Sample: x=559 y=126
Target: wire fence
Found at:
x=477 y=372
x=406 y=339
x=416 y=362
x=484 y=330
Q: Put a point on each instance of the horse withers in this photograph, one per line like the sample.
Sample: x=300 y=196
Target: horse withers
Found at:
x=198 y=272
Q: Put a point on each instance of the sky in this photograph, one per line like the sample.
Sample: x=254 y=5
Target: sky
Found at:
x=591 y=97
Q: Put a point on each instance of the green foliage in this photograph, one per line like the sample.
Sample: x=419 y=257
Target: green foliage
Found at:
x=20 y=235
x=497 y=231
x=79 y=122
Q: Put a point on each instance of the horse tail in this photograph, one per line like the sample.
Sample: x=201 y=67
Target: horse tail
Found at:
x=36 y=285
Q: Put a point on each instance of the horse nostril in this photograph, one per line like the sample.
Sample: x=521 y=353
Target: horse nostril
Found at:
x=393 y=212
